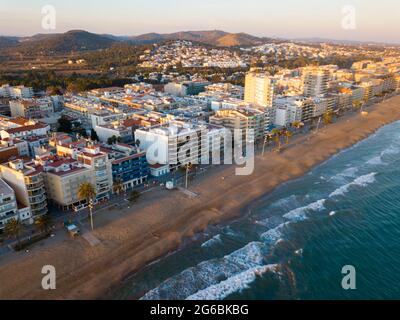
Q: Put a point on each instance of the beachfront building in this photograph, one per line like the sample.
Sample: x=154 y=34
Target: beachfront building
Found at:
x=315 y=81
x=63 y=178
x=259 y=89
x=178 y=143
x=27 y=181
x=9 y=207
x=241 y=119
x=293 y=109
x=129 y=165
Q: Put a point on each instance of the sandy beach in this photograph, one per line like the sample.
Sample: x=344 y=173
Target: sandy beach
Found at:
x=162 y=219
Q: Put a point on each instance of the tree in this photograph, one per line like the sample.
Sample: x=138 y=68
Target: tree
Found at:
x=87 y=192
x=13 y=229
x=118 y=186
x=94 y=136
x=328 y=116
x=287 y=134
x=43 y=223
x=64 y=125
x=134 y=196
x=276 y=134
x=297 y=124
x=113 y=140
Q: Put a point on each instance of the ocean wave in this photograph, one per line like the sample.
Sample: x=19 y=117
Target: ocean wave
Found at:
x=375 y=161
x=272 y=236
x=300 y=214
x=214 y=240
x=347 y=173
x=285 y=202
x=390 y=151
x=233 y=284
x=362 y=181
x=209 y=273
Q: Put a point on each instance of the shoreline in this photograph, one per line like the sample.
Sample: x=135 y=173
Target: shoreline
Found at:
x=156 y=226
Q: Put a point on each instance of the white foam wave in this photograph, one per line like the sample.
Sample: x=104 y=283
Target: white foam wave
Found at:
x=362 y=181
x=272 y=236
x=375 y=161
x=209 y=273
x=234 y=284
x=390 y=151
x=347 y=173
x=214 y=240
x=300 y=214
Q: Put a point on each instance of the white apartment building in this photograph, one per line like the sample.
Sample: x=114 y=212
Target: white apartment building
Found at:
x=178 y=143
x=260 y=89
x=9 y=208
x=27 y=181
x=18 y=92
x=291 y=109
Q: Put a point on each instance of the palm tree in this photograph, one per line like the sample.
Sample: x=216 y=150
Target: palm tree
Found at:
x=13 y=229
x=277 y=133
x=43 y=223
x=296 y=124
x=267 y=140
x=118 y=186
x=88 y=192
x=328 y=117
x=287 y=134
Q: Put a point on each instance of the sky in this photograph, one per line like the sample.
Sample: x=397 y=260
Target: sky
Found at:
x=370 y=20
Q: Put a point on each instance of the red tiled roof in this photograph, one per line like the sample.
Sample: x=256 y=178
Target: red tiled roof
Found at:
x=27 y=128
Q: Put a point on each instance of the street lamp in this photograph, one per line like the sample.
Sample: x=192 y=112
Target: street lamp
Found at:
x=91 y=212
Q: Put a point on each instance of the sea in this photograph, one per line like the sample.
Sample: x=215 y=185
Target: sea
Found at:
x=293 y=242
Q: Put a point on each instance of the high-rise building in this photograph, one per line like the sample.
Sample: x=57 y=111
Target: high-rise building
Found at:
x=315 y=81
x=260 y=89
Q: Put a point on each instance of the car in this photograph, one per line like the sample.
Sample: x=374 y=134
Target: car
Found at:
x=72 y=229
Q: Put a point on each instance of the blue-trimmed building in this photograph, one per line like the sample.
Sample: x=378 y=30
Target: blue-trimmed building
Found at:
x=129 y=166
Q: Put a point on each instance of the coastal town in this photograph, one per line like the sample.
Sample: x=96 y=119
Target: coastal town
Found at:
x=89 y=176
x=72 y=153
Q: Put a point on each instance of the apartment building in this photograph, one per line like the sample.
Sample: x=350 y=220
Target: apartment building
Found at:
x=129 y=165
x=178 y=143
x=27 y=181
x=91 y=157
x=259 y=89
x=17 y=92
x=9 y=207
x=116 y=129
x=315 y=81
x=32 y=108
x=241 y=118
x=63 y=178
x=291 y=109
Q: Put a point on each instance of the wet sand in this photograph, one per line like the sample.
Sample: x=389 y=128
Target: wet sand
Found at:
x=157 y=225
